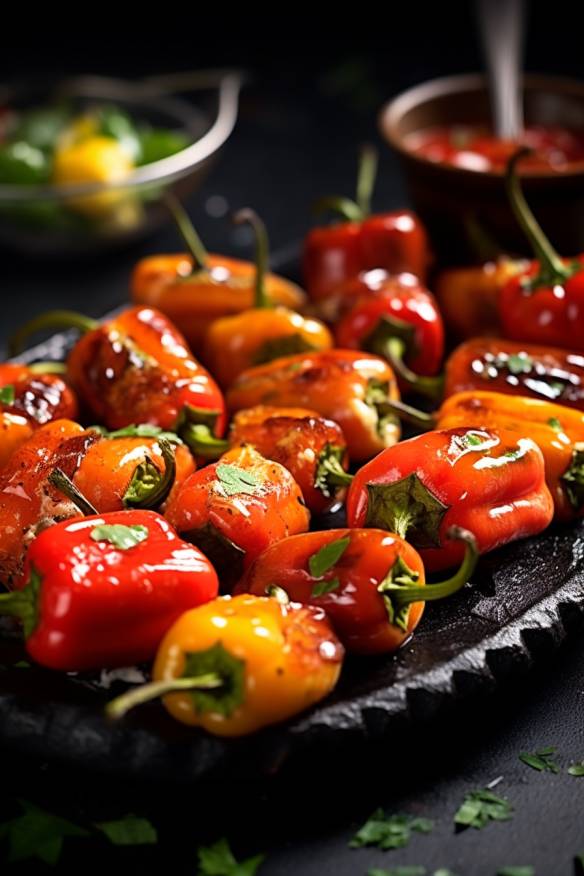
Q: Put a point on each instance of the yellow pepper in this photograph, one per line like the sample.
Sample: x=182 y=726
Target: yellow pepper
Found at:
x=94 y=159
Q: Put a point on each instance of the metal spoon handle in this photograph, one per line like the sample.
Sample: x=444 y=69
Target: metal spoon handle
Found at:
x=502 y=26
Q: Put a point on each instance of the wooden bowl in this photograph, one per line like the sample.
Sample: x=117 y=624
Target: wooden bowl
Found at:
x=459 y=205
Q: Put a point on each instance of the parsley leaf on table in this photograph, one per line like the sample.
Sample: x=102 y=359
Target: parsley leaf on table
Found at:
x=218 y=860
x=516 y=871
x=389 y=831
x=37 y=834
x=540 y=760
x=129 y=831
x=407 y=870
x=480 y=807
x=579 y=864
x=576 y=769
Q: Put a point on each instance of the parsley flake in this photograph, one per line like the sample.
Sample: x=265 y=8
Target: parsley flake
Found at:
x=480 y=807
x=555 y=424
x=218 y=860
x=7 y=395
x=129 y=831
x=540 y=760
x=407 y=870
x=320 y=588
x=122 y=537
x=37 y=834
x=233 y=479
x=576 y=769
x=389 y=831
x=327 y=557
x=519 y=363
x=516 y=871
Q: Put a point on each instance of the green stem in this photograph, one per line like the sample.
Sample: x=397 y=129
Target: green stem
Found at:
x=429 y=387
x=202 y=442
x=47 y=368
x=262 y=253
x=413 y=416
x=551 y=268
x=402 y=596
x=53 y=319
x=15 y=604
x=366 y=175
x=191 y=239
x=336 y=475
x=157 y=495
x=65 y=485
x=121 y=705
x=343 y=207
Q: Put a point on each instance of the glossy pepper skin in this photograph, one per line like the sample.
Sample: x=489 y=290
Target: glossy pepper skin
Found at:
x=28 y=502
x=396 y=241
x=367 y=593
x=89 y=603
x=197 y=288
x=545 y=303
x=515 y=368
x=260 y=662
x=233 y=509
x=262 y=333
x=489 y=482
x=394 y=317
x=312 y=448
x=346 y=386
x=469 y=296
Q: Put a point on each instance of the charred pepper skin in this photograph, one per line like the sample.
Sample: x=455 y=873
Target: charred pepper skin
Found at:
x=514 y=368
x=311 y=447
x=346 y=386
x=239 y=664
x=234 y=508
x=88 y=604
x=489 y=482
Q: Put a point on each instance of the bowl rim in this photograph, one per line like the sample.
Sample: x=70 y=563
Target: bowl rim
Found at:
x=393 y=110
x=227 y=83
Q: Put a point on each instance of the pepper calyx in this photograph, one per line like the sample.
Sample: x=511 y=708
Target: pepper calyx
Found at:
x=399 y=576
x=330 y=475
x=276 y=348
x=406 y=507
x=394 y=340
x=196 y=427
x=217 y=660
x=573 y=478
x=149 y=487
x=24 y=604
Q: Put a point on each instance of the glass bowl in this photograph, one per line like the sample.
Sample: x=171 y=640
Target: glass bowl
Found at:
x=67 y=219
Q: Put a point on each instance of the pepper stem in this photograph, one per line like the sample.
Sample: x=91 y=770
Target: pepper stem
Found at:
x=330 y=474
x=262 y=253
x=117 y=708
x=417 y=418
x=53 y=319
x=65 y=485
x=202 y=442
x=429 y=387
x=47 y=368
x=144 y=498
x=186 y=229
x=366 y=176
x=551 y=268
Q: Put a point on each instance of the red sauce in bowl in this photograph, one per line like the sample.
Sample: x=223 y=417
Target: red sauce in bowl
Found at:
x=475 y=148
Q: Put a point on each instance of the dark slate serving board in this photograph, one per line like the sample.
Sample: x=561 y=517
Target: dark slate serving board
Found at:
x=523 y=600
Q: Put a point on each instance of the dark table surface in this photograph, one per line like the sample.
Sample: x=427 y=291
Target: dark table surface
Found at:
x=278 y=162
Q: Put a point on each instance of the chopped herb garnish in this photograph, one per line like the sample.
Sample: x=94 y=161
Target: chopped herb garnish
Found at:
x=519 y=363
x=327 y=557
x=37 y=834
x=142 y=430
x=576 y=769
x=540 y=760
x=480 y=807
x=129 y=831
x=322 y=587
x=555 y=424
x=7 y=395
x=122 y=537
x=218 y=860
x=407 y=870
x=233 y=479
x=389 y=831
x=516 y=871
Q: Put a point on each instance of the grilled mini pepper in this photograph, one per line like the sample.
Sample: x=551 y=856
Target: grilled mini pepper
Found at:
x=239 y=664
x=396 y=318
x=103 y=590
x=312 y=448
x=545 y=303
x=370 y=583
x=262 y=333
x=395 y=241
x=469 y=296
x=137 y=368
x=558 y=431
x=489 y=482
x=348 y=387
x=233 y=509
x=195 y=289
x=547 y=373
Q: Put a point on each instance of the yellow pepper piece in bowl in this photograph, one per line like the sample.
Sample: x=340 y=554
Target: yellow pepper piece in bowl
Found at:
x=94 y=159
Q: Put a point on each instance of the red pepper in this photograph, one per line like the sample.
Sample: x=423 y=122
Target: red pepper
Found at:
x=545 y=303
x=137 y=368
x=396 y=318
x=233 y=509
x=370 y=583
x=102 y=591
x=490 y=483
x=395 y=241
